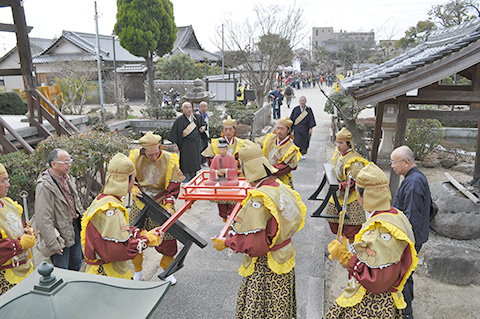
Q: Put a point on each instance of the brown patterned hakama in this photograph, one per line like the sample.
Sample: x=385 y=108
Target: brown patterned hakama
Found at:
x=379 y=306
x=4 y=284
x=267 y=295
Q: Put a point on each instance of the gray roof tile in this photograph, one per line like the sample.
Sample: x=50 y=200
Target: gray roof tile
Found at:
x=438 y=44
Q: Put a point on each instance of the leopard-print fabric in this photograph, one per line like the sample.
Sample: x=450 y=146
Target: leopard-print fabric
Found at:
x=149 y=224
x=101 y=271
x=4 y=284
x=267 y=295
x=354 y=211
x=379 y=306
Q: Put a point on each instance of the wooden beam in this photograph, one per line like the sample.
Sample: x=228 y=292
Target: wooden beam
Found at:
x=6 y=3
x=23 y=45
x=400 y=133
x=6 y=72
x=476 y=107
x=444 y=115
x=11 y=28
x=377 y=132
x=445 y=97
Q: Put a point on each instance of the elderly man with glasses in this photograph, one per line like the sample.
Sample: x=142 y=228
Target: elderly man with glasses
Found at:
x=58 y=213
x=413 y=198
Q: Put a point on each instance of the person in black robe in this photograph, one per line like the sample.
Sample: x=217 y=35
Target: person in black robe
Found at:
x=185 y=133
x=303 y=123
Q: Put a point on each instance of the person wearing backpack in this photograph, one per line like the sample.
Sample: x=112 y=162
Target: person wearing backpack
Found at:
x=240 y=93
x=288 y=93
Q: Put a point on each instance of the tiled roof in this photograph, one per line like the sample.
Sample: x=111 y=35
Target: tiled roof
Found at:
x=132 y=68
x=187 y=43
x=87 y=42
x=438 y=45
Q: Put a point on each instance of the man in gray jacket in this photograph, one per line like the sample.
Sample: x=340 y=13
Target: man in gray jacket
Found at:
x=58 y=213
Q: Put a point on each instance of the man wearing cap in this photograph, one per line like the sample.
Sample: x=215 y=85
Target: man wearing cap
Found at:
x=107 y=239
x=58 y=213
x=229 y=134
x=303 y=124
x=159 y=176
x=347 y=162
x=383 y=255
x=15 y=239
x=271 y=214
x=185 y=134
x=280 y=150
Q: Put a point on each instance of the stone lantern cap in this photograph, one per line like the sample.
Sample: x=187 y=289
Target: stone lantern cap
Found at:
x=57 y=293
x=198 y=93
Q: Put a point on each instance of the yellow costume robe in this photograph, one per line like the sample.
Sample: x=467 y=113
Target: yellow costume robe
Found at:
x=19 y=265
x=284 y=156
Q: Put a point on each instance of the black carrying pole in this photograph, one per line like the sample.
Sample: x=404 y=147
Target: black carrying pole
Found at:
x=178 y=230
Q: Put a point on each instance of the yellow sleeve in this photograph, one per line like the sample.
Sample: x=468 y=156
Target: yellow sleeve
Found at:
x=133 y=155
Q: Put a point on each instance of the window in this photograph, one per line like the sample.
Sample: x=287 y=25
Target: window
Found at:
x=316 y=32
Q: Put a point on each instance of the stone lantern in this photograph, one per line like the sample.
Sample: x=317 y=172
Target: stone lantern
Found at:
x=388 y=130
x=198 y=93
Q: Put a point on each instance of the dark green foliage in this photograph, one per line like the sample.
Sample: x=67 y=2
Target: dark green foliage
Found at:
x=12 y=104
x=215 y=124
x=416 y=34
x=22 y=173
x=340 y=99
x=244 y=114
x=163 y=131
x=422 y=136
x=91 y=152
x=146 y=25
x=182 y=67
x=159 y=112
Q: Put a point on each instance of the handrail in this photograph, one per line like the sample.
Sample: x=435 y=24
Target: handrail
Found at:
x=20 y=139
x=55 y=110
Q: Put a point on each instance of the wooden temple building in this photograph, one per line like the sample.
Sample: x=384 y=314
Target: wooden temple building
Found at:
x=414 y=78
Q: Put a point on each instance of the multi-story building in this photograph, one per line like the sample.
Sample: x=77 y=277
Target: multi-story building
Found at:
x=322 y=34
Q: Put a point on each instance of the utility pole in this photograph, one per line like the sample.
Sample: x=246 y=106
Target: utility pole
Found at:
x=223 y=58
x=99 y=65
x=115 y=75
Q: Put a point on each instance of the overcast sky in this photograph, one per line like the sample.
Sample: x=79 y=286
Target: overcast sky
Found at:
x=389 y=19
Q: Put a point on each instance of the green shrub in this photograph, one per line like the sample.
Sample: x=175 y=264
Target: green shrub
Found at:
x=243 y=114
x=22 y=173
x=12 y=104
x=91 y=152
x=340 y=99
x=422 y=136
x=215 y=124
x=163 y=131
x=159 y=112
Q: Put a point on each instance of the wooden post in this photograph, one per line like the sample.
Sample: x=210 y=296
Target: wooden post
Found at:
x=24 y=53
x=400 y=133
x=476 y=107
x=377 y=132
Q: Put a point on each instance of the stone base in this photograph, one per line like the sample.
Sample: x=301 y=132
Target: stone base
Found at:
x=458 y=217
x=453 y=265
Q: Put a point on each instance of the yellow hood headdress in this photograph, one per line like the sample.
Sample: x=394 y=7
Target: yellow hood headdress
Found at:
x=376 y=196
x=119 y=169
x=255 y=165
x=345 y=135
x=150 y=140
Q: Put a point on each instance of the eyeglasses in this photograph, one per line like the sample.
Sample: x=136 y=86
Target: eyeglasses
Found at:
x=396 y=162
x=5 y=182
x=65 y=162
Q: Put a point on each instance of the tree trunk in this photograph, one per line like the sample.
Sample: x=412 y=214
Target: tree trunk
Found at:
x=152 y=101
x=357 y=138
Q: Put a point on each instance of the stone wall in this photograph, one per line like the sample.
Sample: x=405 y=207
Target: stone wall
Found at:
x=261 y=120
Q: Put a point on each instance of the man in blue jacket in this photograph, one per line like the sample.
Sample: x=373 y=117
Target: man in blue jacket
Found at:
x=413 y=198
